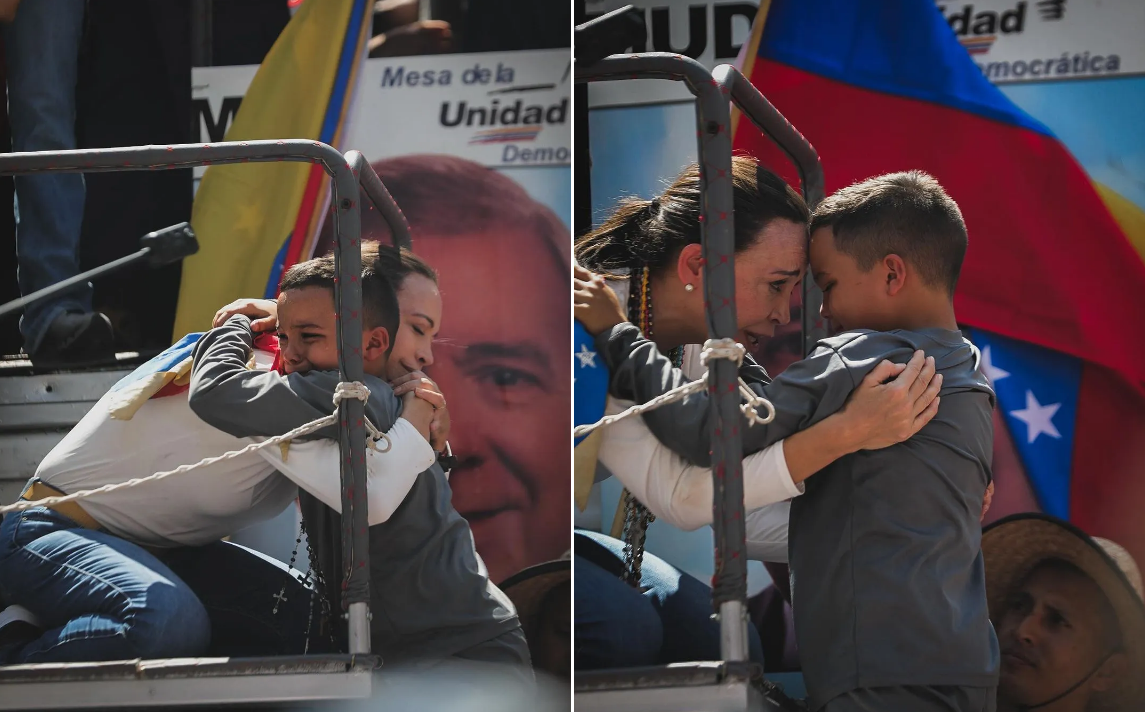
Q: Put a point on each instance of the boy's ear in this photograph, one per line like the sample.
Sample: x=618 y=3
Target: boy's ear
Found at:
x=690 y=265
x=376 y=342
x=894 y=267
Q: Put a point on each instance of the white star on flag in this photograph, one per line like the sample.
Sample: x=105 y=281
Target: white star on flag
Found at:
x=586 y=357
x=992 y=372
x=1038 y=418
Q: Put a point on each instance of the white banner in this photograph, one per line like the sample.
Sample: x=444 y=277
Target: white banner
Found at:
x=1050 y=40
x=712 y=33
x=498 y=109
x=216 y=94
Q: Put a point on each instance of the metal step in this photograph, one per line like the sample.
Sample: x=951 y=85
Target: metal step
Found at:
x=38 y=409
x=186 y=682
x=683 y=687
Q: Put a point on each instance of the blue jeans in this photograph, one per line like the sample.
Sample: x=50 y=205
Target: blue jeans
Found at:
x=616 y=626
x=104 y=598
x=97 y=596
x=41 y=48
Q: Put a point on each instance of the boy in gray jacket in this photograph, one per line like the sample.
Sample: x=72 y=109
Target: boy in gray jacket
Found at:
x=884 y=545
x=431 y=598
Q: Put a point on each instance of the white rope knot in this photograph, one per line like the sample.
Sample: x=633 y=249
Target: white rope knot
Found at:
x=722 y=348
x=350 y=389
x=735 y=351
x=359 y=391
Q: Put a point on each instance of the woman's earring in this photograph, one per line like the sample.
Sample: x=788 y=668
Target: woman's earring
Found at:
x=688 y=288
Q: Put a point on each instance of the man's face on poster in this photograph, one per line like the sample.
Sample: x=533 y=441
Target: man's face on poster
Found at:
x=502 y=362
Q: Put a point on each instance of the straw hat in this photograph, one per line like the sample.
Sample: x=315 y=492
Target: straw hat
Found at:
x=1013 y=546
x=527 y=588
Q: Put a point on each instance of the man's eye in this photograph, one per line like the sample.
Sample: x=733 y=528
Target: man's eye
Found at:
x=509 y=377
x=310 y=336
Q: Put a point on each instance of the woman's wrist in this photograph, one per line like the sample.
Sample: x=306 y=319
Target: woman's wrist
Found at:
x=843 y=435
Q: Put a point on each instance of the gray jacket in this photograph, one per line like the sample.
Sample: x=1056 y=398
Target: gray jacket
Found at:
x=888 y=582
x=430 y=593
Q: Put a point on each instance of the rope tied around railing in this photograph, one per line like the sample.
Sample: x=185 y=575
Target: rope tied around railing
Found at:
x=713 y=348
x=342 y=391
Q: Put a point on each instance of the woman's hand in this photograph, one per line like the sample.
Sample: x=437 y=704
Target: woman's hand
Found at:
x=424 y=388
x=595 y=305
x=882 y=412
x=419 y=413
x=263 y=313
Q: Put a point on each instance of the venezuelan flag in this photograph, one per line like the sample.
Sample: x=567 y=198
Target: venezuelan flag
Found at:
x=256 y=220
x=1050 y=283
x=169 y=373
x=590 y=390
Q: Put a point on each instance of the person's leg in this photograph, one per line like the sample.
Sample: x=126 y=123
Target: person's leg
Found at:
x=684 y=605
x=613 y=625
x=41 y=48
x=97 y=596
x=257 y=605
x=914 y=698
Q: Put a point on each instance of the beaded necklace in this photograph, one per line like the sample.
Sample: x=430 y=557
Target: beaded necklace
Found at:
x=637 y=517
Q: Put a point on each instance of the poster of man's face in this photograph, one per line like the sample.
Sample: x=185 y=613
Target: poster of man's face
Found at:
x=501 y=359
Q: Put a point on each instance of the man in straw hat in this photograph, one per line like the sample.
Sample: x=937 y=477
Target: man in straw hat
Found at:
x=1069 y=615
x=541 y=595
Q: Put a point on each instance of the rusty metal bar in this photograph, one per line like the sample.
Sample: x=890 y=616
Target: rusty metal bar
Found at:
x=717 y=235
x=347 y=301
x=806 y=160
x=380 y=196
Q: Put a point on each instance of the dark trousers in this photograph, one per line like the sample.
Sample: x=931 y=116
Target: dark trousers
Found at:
x=617 y=626
x=239 y=588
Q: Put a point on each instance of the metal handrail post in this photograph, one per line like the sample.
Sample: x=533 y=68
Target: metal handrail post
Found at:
x=380 y=196
x=717 y=235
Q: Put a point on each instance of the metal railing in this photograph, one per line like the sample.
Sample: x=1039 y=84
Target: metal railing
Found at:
x=348 y=172
x=712 y=91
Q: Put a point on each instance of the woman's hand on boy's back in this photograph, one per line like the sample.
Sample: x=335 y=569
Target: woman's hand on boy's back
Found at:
x=595 y=305
x=425 y=389
x=893 y=402
x=263 y=313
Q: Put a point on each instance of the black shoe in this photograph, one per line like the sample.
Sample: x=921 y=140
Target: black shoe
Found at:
x=76 y=339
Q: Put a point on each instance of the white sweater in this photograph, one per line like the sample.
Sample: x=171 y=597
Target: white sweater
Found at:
x=204 y=505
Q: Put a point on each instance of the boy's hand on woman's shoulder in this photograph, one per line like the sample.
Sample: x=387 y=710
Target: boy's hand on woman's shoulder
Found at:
x=263 y=313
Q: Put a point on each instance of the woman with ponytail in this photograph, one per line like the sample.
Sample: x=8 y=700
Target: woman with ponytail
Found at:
x=645 y=262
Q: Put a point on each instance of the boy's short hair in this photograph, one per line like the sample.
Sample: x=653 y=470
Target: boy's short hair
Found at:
x=379 y=298
x=907 y=214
